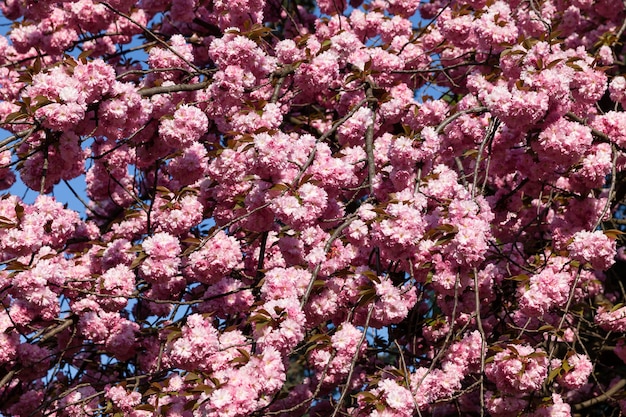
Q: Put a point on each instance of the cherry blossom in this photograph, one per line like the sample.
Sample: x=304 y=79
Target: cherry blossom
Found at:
x=364 y=207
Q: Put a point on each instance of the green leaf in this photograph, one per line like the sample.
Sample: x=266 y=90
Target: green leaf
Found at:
x=366 y=297
x=368 y=397
x=138 y=260
x=554 y=373
x=519 y=278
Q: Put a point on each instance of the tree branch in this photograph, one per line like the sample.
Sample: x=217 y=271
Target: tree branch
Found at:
x=601 y=398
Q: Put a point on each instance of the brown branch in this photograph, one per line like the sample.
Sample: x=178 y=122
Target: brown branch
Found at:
x=603 y=137
x=312 y=398
x=67 y=323
x=44 y=170
x=152 y=71
x=354 y=359
x=259 y=269
x=369 y=137
x=282 y=76
x=446 y=122
x=491 y=132
x=601 y=398
x=325 y=136
x=429 y=70
x=327 y=247
x=152 y=34
x=19 y=135
x=167 y=89
x=611 y=194
x=483 y=338
x=7 y=378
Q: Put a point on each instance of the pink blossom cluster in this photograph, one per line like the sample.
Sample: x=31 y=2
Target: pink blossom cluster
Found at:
x=27 y=228
x=162 y=262
x=518 y=369
x=611 y=319
x=7 y=177
x=579 y=369
x=108 y=329
x=122 y=399
x=280 y=323
x=215 y=257
x=546 y=290
x=176 y=215
x=240 y=394
x=187 y=126
x=333 y=359
x=369 y=208
x=198 y=341
x=593 y=247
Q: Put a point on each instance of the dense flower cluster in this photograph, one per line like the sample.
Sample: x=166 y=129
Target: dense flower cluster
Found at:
x=374 y=207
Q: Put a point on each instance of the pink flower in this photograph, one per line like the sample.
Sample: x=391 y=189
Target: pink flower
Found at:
x=281 y=324
x=332 y=6
x=546 y=290
x=119 y=281
x=177 y=216
x=593 y=247
x=116 y=253
x=563 y=139
x=345 y=345
x=617 y=89
x=60 y=117
x=579 y=368
x=227 y=296
x=402 y=7
x=7 y=177
x=238 y=13
x=215 y=258
x=518 y=369
x=323 y=71
x=123 y=399
x=162 y=262
x=165 y=58
x=496 y=26
x=120 y=342
x=237 y=50
x=613 y=124
x=558 y=408
x=187 y=126
x=287 y=52
x=504 y=405
x=285 y=282
x=199 y=340
x=9 y=340
x=393 y=303
x=613 y=320
x=301 y=208
x=397 y=397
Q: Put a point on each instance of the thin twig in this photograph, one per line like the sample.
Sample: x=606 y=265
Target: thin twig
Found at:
x=611 y=193
x=152 y=34
x=176 y=88
x=446 y=122
x=601 y=398
x=483 y=341
x=369 y=138
x=346 y=387
x=491 y=131
x=327 y=247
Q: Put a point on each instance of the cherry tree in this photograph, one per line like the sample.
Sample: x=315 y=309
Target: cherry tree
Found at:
x=381 y=208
